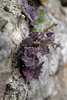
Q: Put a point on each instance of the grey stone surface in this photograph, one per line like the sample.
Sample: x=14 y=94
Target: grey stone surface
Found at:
x=60 y=30
x=13 y=29
x=3 y=78
x=60 y=88
x=64 y=1
x=55 y=8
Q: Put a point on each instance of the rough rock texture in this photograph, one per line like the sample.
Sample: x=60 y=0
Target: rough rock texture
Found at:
x=60 y=78
x=60 y=88
x=61 y=30
x=64 y=2
x=13 y=28
x=55 y=8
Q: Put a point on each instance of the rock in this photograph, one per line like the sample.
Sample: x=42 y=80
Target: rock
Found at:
x=3 y=78
x=11 y=35
x=13 y=30
x=63 y=10
x=64 y=2
x=60 y=88
x=15 y=87
x=54 y=8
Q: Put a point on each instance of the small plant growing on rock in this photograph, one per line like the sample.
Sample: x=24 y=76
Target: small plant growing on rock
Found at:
x=34 y=43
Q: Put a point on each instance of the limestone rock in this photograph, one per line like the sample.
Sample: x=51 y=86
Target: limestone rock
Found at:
x=13 y=28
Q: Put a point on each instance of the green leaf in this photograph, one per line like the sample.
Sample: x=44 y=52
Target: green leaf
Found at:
x=49 y=27
x=41 y=13
x=39 y=30
x=40 y=20
x=33 y=29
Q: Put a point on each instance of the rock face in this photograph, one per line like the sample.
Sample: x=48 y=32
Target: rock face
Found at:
x=13 y=28
x=64 y=1
x=61 y=33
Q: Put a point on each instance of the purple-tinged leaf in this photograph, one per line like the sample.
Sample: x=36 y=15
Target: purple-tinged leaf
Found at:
x=33 y=35
x=25 y=4
x=45 y=50
x=42 y=35
x=38 y=71
x=29 y=51
x=28 y=74
x=27 y=42
x=49 y=34
x=21 y=51
x=30 y=12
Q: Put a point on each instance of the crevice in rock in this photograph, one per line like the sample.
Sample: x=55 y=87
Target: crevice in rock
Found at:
x=64 y=3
